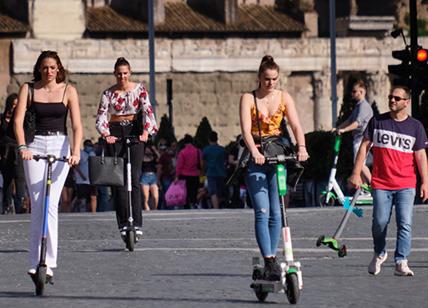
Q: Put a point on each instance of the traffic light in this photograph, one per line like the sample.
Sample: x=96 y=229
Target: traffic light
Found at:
x=402 y=71
x=421 y=69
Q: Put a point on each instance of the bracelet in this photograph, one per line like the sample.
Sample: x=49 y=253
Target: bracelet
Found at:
x=22 y=147
x=302 y=146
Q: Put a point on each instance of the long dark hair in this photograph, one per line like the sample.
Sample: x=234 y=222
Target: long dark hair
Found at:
x=60 y=77
x=8 y=108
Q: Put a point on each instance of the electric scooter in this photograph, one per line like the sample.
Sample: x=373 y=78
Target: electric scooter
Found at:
x=291 y=275
x=333 y=241
x=40 y=278
x=130 y=236
x=333 y=191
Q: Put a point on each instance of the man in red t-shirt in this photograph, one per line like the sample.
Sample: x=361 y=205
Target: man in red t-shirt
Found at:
x=398 y=142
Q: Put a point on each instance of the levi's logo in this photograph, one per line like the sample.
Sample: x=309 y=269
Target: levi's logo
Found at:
x=394 y=141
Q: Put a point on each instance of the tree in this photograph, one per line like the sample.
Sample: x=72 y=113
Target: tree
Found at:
x=201 y=136
x=166 y=131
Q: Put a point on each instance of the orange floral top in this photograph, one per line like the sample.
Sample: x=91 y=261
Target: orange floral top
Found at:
x=269 y=125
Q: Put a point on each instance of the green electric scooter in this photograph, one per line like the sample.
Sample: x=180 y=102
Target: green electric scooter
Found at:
x=333 y=192
x=291 y=282
x=333 y=241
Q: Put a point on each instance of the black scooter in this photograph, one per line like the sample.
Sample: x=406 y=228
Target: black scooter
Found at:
x=40 y=278
x=130 y=237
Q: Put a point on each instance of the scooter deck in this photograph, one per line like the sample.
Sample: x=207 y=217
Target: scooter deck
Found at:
x=267 y=286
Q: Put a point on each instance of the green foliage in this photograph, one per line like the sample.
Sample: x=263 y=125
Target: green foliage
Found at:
x=201 y=136
x=166 y=131
x=320 y=146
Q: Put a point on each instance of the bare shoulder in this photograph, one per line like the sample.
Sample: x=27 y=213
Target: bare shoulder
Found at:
x=247 y=98
x=71 y=89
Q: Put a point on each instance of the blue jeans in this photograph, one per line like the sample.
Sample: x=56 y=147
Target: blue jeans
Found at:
x=263 y=190
x=382 y=209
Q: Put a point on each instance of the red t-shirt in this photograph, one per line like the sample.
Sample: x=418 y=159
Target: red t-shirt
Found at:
x=394 y=144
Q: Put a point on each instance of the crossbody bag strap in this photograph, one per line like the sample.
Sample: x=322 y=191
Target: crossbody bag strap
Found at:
x=30 y=94
x=258 y=120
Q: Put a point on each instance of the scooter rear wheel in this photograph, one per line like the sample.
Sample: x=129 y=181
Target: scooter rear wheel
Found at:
x=130 y=240
x=261 y=296
x=40 y=280
x=293 y=292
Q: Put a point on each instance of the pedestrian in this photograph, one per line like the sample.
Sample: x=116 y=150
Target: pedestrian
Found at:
x=149 y=179
x=398 y=142
x=357 y=123
x=85 y=192
x=11 y=164
x=52 y=99
x=273 y=105
x=214 y=160
x=188 y=168
x=131 y=114
x=165 y=170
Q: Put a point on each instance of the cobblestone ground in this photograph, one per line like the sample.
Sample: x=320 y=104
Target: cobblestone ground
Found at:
x=202 y=258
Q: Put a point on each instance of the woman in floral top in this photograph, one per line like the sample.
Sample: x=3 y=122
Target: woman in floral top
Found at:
x=125 y=110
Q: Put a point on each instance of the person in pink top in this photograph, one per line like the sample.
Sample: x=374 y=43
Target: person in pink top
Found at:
x=188 y=168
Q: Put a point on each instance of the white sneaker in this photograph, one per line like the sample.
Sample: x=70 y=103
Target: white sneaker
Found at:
x=376 y=264
x=402 y=269
x=32 y=271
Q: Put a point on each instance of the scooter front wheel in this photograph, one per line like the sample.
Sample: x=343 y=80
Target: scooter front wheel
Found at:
x=40 y=280
x=293 y=291
x=130 y=240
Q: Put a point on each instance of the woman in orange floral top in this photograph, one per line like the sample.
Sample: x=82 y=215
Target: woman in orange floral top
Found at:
x=273 y=105
x=125 y=110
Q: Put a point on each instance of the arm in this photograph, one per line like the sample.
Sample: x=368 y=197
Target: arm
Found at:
x=20 y=109
x=355 y=178
x=101 y=122
x=245 y=121
x=76 y=123
x=421 y=161
x=149 y=120
x=293 y=120
x=179 y=165
x=343 y=129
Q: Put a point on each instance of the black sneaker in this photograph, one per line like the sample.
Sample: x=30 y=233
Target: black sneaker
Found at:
x=272 y=270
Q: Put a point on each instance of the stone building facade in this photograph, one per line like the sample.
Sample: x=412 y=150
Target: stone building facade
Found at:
x=209 y=72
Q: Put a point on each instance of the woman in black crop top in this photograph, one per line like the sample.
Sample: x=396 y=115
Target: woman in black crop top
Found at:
x=51 y=98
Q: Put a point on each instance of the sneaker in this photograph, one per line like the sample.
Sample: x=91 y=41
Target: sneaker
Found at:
x=402 y=269
x=376 y=263
x=272 y=270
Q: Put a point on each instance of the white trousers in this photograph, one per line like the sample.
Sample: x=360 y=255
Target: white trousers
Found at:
x=35 y=177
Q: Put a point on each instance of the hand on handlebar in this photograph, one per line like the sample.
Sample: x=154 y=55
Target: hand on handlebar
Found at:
x=258 y=158
x=144 y=136
x=26 y=154
x=73 y=160
x=110 y=139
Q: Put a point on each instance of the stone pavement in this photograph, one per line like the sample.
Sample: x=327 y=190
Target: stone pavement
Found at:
x=202 y=258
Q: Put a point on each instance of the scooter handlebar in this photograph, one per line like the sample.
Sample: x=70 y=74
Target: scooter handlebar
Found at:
x=50 y=157
x=279 y=159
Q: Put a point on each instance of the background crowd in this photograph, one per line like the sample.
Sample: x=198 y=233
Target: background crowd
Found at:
x=204 y=168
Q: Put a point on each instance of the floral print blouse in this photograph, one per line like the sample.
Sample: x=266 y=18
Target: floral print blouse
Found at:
x=125 y=103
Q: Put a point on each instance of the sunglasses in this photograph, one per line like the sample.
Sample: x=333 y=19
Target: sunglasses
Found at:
x=396 y=98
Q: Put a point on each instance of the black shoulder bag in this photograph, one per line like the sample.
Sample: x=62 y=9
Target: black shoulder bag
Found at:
x=106 y=171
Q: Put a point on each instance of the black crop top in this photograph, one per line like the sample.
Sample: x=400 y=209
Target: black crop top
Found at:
x=50 y=117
